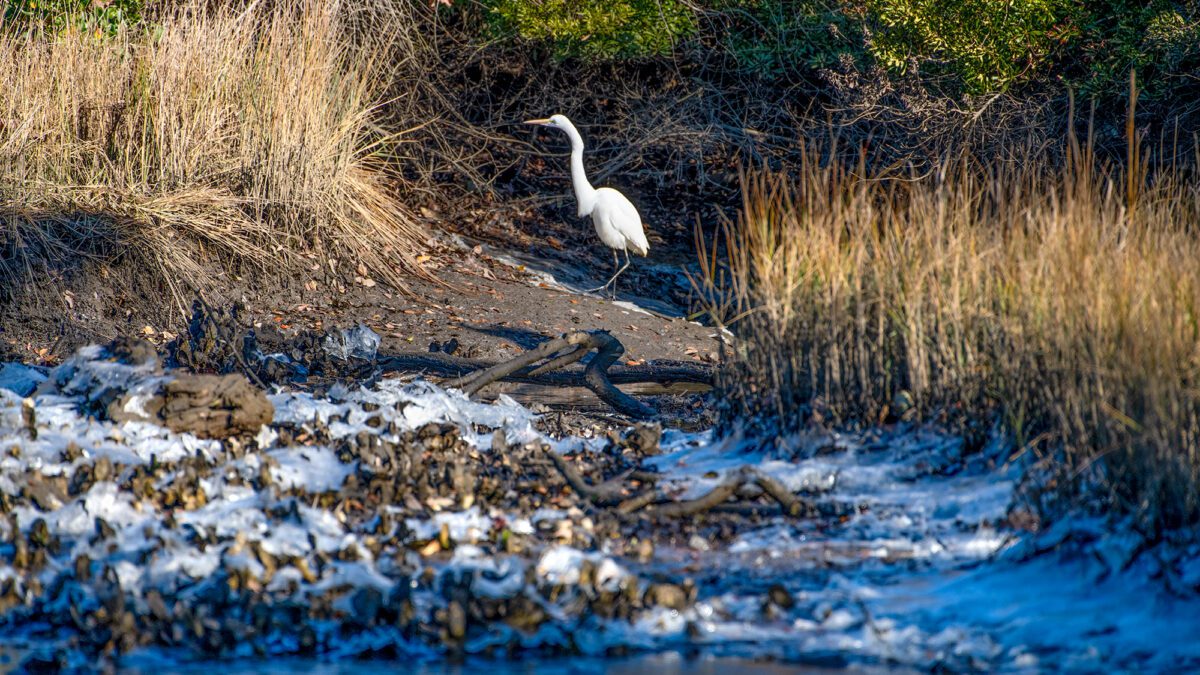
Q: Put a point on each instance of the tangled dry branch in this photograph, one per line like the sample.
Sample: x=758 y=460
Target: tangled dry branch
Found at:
x=561 y=352
x=746 y=483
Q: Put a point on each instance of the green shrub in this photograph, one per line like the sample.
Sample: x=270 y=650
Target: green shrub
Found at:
x=597 y=29
x=972 y=46
x=987 y=44
x=772 y=38
x=55 y=15
x=1157 y=38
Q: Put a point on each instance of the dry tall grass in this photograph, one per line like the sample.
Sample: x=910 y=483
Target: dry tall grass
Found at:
x=1060 y=307
x=250 y=133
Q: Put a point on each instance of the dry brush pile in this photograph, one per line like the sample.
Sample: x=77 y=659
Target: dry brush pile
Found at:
x=250 y=132
x=1060 y=308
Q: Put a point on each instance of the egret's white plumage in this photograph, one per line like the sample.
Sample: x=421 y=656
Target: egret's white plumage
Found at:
x=616 y=218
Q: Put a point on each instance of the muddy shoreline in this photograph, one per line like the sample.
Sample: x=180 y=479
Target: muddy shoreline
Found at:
x=402 y=521
x=485 y=304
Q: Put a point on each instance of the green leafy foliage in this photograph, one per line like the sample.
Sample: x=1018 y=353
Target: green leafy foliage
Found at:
x=972 y=46
x=56 y=15
x=772 y=38
x=1160 y=39
x=987 y=44
x=596 y=29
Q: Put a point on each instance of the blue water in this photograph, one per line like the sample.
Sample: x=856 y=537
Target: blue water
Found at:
x=669 y=663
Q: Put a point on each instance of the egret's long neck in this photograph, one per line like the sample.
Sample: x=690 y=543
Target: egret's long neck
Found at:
x=585 y=194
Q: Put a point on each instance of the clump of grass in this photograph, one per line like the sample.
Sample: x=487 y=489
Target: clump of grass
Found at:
x=249 y=133
x=1060 y=308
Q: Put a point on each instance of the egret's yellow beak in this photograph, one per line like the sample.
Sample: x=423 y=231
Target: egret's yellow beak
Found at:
x=542 y=122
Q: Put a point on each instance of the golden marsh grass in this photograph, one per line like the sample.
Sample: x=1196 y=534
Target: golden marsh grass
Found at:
x=1060 y=308
x=250 y=133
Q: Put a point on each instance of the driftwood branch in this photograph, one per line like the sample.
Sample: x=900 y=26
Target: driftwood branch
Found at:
x=655 y=502
x=564 y=351
x=715 y=497
x=607 y=493
x=471 y=384
x=789 y=502
x=608 y=350
x=560 y=361
x=443 y=365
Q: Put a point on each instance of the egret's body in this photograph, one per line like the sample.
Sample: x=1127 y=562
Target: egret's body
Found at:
x=616 y=218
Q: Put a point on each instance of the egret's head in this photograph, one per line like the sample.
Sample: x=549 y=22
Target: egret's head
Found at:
x=556 y=121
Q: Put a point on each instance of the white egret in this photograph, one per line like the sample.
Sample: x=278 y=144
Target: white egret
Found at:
x=615 y=217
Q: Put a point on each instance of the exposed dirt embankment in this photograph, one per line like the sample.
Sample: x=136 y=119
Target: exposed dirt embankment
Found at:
x=482 y=309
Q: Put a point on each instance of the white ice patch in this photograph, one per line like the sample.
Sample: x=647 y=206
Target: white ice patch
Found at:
x=312 y=467
x=463 y=526
x=411 y=406
x=563 y=565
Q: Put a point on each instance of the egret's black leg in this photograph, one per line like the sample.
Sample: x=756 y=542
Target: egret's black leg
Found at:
x=613 y=281
x=616 y=263
x=624 y=267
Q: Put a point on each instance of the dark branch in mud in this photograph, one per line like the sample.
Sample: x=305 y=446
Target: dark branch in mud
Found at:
x=609 y=349
x=471 y=384
x=790 y=503
x=441 y=365
x=608 y=493
x=561 y=352
x=655 y=502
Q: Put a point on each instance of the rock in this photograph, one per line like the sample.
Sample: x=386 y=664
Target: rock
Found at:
x=780 y=596
x=367 y=602
x=132 y=351
x=207 y=406
x=39 y=534
x=666 y=595
x=46 y=493
x=644 y=438
x=456 y=621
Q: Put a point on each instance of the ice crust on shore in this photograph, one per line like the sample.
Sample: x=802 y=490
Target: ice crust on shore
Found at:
x=914 y=566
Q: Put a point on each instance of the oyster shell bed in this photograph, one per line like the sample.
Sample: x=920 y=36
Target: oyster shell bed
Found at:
x=404 y=521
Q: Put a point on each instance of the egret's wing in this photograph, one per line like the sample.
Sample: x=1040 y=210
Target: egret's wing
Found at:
x=624 y=217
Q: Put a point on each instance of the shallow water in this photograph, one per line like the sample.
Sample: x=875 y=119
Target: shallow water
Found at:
x=669 y=663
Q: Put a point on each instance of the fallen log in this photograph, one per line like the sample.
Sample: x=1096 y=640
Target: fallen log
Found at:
x=600 y=375
x=443 y=365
